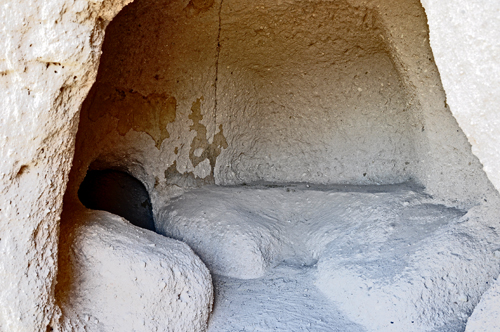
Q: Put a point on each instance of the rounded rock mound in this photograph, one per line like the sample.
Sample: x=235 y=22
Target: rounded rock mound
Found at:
x=118 y=277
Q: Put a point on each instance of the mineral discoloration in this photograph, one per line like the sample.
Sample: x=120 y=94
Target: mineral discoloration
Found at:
x=149 y=114
x=158 y=60
x=320 y=92
x=186 y=179
x=201 y=149
x=196 y=7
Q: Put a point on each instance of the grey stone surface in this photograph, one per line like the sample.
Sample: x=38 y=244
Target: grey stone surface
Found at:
x=118 y=277
x=486 y=315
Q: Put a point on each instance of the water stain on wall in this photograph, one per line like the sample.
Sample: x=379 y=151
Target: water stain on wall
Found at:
x=201 y=149
x=148 y=114
x=196 y=7
x=185 y=180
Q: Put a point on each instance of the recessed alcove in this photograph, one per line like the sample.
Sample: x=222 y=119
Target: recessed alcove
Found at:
x=303 y=142
x=119 y=193
x=297 y=92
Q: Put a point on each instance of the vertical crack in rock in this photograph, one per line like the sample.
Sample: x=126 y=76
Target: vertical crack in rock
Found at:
x=217 y=63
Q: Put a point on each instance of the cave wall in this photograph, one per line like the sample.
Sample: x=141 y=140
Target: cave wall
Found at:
x=323 y=92
x=48 y=62
x=446 y=167
x=307 y=92
x=464 y=40
x=172 y=103
x=49 y=55
x=162 y=58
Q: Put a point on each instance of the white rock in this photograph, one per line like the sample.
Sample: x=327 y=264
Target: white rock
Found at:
x=242 y=231
x=49 y=54
x=40 y=108
x=436 y=282
x=486 y=315
x=228 y=237
x=466 y=48
x=115 y=280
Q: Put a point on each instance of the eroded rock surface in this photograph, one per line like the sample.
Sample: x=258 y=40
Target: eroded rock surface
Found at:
x=117 y=277
x=49 y=54
x=486 y=315
x=390 y=258
x=425 y=279
x=387 y=244
x=466 y=49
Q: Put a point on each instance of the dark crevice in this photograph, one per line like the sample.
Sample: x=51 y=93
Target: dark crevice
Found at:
x=217 y=61
x=119 y=193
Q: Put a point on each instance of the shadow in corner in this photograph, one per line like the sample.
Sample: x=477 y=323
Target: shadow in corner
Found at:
x=119 y=193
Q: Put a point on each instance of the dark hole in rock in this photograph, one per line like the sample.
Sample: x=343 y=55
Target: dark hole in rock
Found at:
x=119 y=193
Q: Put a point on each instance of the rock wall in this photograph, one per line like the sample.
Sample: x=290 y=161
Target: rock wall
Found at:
x=487 y=313
x=464 y=40
x=447 y=168
x=307 y=92
x=201 y=92
x=160 y=56
x=49 y=53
